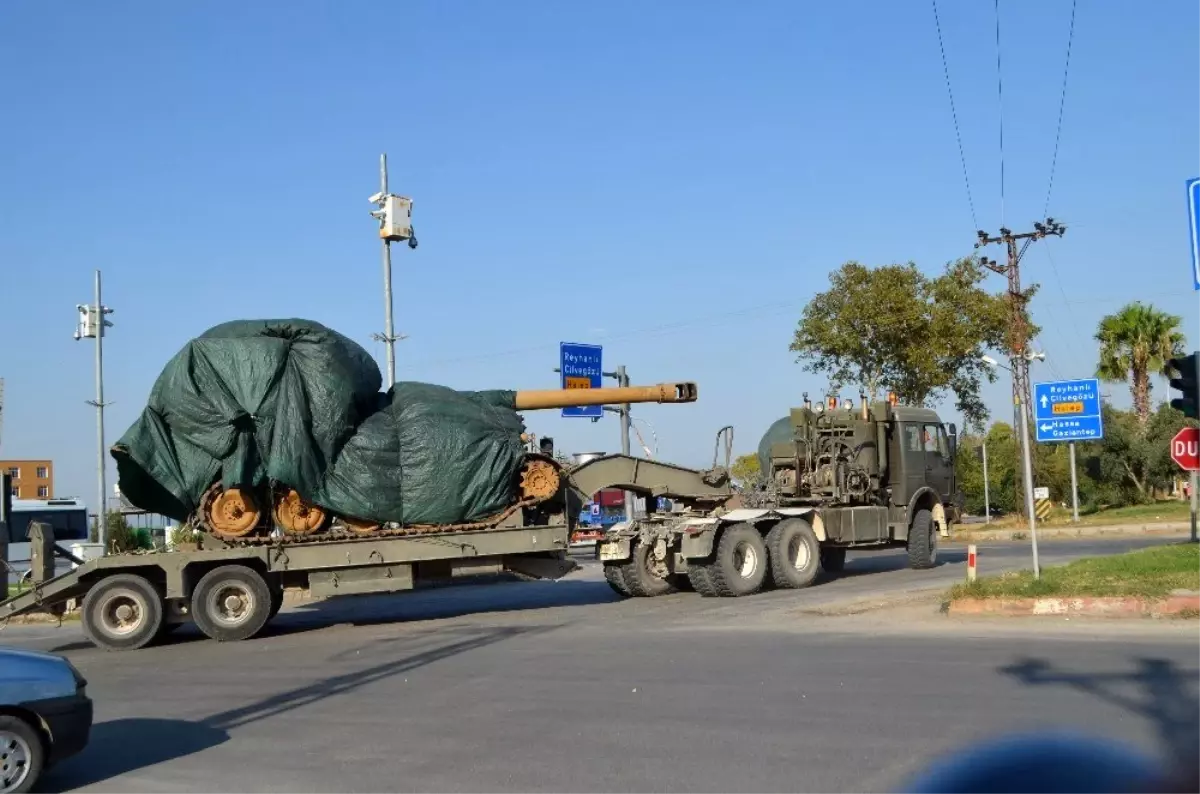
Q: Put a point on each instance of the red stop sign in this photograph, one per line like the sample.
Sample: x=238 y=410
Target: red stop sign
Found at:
x=1185 y=449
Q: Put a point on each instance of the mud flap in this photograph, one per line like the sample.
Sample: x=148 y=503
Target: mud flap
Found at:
x=541 y=567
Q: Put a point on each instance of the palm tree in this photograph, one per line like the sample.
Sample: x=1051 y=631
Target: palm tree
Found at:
x=1136 y=343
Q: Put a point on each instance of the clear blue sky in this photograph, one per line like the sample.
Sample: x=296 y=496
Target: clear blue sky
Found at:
x=672 y=179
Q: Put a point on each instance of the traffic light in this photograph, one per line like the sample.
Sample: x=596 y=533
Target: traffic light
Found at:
x=1188 y=370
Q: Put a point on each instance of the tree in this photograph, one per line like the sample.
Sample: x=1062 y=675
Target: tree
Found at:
x=746 y=470
x=1135 y=343
x=897 y=329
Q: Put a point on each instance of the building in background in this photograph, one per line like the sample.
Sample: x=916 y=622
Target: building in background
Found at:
x=31 y=479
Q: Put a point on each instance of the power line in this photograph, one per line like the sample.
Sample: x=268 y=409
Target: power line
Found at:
x=954 y=114
x=1061 y=104
x=1062 y=290
x=1000 y=97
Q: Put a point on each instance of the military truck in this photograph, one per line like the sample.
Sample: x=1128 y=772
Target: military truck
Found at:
x=834 y=478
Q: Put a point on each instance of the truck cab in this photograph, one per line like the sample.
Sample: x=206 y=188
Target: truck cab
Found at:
x=921 y=453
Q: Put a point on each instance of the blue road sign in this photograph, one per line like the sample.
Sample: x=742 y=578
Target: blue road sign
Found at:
x=580 y=368
x=1068 y=410
x=1193 y=188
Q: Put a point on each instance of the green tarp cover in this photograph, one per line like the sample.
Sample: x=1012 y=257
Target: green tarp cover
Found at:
x=780 y=432
x=298 y=403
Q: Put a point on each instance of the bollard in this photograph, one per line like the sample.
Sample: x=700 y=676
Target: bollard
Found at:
x=971 y=562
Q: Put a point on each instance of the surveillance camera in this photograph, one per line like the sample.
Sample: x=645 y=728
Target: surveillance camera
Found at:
x=376 y=198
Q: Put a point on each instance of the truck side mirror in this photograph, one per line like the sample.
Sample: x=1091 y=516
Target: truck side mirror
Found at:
x=952 y=433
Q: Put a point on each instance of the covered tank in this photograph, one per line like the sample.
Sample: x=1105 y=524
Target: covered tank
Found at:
x=268 y=428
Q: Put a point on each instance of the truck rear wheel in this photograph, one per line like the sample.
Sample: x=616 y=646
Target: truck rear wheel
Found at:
x=122 y=612
x=231 y=603
x=700 y=581
x=922 y=541
x=639 y=579
x=740 y=565
x=795 y=553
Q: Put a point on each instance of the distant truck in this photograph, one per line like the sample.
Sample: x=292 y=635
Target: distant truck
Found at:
x=834 y=478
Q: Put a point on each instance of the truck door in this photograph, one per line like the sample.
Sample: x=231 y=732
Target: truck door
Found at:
x=912 y=450
x=939 y=466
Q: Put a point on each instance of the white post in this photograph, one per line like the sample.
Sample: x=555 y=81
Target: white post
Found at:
x=987 y=501
x=971 y=562
x=1074 y=487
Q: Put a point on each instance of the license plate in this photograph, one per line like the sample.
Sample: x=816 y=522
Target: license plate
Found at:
x=610 y=551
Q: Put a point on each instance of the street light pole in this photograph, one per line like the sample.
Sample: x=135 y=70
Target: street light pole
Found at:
x=1026 y=461
x=1028 y=468
x=92 y=323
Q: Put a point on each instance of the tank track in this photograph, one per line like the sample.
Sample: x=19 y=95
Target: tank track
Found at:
x=540 y=479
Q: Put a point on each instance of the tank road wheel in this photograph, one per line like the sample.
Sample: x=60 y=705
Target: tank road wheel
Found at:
x=639 y=575
x=122 y=612
x=360 y=526
x=231 y=603
x=922 y=541
x=296 y=515
x=539 y=480
x=615 y=576
x=233 y=513
x=740 y=564
x=795 y=553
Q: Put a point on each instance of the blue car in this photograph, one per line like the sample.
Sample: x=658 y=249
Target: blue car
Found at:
x=45 y=715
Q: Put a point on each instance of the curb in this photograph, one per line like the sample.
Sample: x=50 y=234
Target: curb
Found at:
x=1178 y=604
x=1113 y=530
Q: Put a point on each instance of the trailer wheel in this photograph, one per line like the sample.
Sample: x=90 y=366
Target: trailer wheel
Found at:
x=615 y=576
x=795 y=553
x=922 y=541
x=231 y=603
x=122 y=612
x=700 y=580
x=833 y=560
x=276 y=602
x=640 y=580
x=740 y=564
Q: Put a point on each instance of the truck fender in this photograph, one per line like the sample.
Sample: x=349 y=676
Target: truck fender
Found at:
x=937 y=508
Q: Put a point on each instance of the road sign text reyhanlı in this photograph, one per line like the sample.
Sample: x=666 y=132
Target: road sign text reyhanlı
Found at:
x=1185 y=449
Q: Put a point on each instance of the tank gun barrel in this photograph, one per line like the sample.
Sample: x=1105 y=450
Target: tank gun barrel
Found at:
x=681 y=392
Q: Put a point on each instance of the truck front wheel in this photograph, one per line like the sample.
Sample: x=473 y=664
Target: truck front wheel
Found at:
x=922 y=541
x=795 y=553
x=740 y=564
x=122 y=612
x=231 y=603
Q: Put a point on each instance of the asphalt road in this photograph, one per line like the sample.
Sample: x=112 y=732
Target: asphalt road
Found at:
x=560 y=687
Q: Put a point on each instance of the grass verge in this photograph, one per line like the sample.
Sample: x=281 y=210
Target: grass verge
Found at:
x=1158 y=512
x=1150 y=573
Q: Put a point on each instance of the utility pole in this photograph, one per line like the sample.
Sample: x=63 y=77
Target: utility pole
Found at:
x=395 y=223
x=92 y=323
x=1018 y=327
